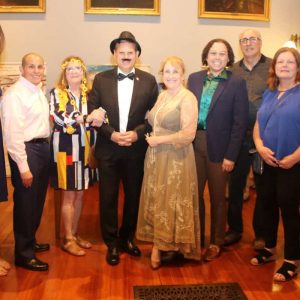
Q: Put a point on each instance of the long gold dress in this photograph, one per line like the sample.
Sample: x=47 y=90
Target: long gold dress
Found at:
x=169 y=212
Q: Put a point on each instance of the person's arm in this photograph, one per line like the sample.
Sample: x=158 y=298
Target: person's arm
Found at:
x=240 y=120
x=94 y=103
x=13 y=120
x=143 y=128
x=266 y=153
x=188 y=120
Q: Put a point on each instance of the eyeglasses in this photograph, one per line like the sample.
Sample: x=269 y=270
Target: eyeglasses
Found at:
x=74 y=68
x=251 y=40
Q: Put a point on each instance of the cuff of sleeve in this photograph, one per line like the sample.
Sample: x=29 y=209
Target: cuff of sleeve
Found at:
x=23 y=166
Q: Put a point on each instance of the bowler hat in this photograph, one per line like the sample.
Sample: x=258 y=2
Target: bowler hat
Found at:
x=125 y=36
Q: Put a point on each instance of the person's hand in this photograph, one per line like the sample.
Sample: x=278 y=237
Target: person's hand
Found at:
x=268 y=156
x=153 y=141
x=27 y=179
x=124 y=138
x=287 y=162
x=96 y=117
x=227 y=165
x=79 y=119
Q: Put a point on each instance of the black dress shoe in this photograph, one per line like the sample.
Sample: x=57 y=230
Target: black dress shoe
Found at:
x=171 y=257
x=41 y=247
x=232 y=237
x=130 y=248
x=112 y=256
x=32 y=264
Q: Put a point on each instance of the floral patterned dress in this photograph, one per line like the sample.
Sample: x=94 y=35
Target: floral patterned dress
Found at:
x=70 y=143
x=169 y=212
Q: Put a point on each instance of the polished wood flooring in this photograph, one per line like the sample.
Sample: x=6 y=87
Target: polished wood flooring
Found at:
x=90 y=277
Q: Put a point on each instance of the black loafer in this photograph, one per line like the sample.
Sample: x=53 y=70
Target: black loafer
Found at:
x=130 y=248
x=32 y=264
x=41 y=247
x=112 y=256
x=232 y=237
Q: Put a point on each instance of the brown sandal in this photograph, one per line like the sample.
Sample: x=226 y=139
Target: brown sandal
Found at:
x=82 y=243
x=70 y=246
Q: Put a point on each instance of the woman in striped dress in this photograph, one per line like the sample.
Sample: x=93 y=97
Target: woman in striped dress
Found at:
x=71 y=140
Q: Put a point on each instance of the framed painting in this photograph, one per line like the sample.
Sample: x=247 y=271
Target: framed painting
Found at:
x=24 y=6
x=257 y=10
x=122 y=7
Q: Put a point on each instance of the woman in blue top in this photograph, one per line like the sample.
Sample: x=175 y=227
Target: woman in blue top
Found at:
x=277 y=139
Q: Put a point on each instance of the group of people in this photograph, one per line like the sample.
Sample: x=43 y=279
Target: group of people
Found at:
x=164 y=147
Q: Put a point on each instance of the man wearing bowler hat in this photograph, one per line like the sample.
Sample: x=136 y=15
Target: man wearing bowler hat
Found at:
x=127 y=94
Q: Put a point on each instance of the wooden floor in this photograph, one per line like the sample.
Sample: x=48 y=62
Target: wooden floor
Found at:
x=90 y=277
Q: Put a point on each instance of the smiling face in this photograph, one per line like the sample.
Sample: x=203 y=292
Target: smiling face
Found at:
x=126 y=56
x=250 y=43
x=217 y=58
x=172 y=76
x=33 y=68
x=74 y=73
x=286 y=67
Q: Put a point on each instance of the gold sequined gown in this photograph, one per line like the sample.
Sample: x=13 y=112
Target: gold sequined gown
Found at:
x=169 y=212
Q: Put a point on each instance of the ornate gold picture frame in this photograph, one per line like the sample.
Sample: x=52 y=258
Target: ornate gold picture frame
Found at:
x=122 y=7
x=257 y=10
x=23 y=6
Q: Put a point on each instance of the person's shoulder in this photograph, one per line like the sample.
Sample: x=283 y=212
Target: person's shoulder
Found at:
x=106 y=74
x=234 y=76
x=197 y=74
x=14 y=88
x=237 y=65
x=143 y=74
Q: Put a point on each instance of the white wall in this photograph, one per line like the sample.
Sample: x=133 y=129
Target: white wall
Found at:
x=64 y=30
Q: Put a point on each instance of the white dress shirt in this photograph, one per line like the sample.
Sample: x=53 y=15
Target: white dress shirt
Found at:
x=25 y=116
x=125 y=89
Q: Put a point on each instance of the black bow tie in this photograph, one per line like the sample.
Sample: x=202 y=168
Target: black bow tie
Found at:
x=122 y=76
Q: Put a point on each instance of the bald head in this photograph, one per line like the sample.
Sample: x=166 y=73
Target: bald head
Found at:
x=33 y=68
x=29 y=56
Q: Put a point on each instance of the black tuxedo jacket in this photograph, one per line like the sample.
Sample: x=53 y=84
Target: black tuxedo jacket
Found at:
x=228 y=115
x=105 y=94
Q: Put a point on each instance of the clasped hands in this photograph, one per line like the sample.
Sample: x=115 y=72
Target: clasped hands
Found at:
x=269 y=157
x=124 y=138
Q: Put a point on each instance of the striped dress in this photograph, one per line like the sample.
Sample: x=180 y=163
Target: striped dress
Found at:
x=70 y=144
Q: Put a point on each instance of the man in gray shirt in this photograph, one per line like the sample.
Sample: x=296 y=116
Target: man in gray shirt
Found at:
x=254 y=69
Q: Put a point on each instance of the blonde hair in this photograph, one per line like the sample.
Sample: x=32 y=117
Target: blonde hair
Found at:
x=62 y=81
x=173 y=61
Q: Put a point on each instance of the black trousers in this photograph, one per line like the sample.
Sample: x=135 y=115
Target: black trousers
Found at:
x=237 y=183
x=111 y=172
x=29 y=202
x=3 y=186
x=279 y=189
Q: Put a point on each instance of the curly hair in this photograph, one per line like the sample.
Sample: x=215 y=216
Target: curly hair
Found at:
x=273 y=80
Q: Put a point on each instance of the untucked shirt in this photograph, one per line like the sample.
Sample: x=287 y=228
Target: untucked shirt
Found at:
x=256 y=81
x=25 y=116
